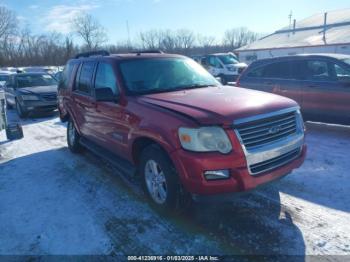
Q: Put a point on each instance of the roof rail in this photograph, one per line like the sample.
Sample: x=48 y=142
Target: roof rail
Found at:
x=148 y=52
x=93 y=53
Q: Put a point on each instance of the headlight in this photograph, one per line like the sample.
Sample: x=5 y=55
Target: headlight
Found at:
x=29 y=97
x=205 y=139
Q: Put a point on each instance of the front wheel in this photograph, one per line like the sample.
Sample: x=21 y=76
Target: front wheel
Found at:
x=223 y=80
x=73 y=138
x=20 y=111
x=160 y=180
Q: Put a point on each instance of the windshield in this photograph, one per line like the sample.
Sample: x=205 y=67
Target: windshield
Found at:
x=4 y=78
x=164 y=75
x=35 y=80
x=228 y=59
x=346 y=60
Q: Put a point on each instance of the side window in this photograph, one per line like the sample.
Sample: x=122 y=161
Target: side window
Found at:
x=342 y=73
x=213 y=61
x=317 y=70
x=105 y=77
x=277 y=70
x=83 y=80
x=66 y=75
x=256 y=72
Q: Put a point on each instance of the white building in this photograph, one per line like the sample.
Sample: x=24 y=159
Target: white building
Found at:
x=320 y=33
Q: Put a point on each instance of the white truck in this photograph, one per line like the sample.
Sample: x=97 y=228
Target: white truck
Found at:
x=224 y=66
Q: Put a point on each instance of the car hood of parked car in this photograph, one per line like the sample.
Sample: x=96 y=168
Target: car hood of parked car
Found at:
x=38 y=89
x=219 y=105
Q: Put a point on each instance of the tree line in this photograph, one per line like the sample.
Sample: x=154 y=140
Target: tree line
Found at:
x=20 y=47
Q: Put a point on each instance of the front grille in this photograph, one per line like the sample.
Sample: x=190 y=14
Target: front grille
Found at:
x=49 y=97
x=267 y=130
x=274 y=162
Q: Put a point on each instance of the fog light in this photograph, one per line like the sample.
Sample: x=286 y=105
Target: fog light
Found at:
x=216 y=174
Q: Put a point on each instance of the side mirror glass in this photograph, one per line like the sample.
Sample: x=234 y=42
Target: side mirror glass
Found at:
x=105 y=94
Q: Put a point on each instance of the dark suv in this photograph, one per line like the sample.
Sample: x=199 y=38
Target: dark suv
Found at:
x=320 y=83
x=165 y=118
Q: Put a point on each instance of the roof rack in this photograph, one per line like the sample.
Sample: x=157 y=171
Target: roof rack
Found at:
x=148 y=52
x=93 y=53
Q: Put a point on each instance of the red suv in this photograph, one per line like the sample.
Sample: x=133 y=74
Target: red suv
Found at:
x=165 y=118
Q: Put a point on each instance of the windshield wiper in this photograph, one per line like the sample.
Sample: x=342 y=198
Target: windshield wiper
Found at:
x=193 y=86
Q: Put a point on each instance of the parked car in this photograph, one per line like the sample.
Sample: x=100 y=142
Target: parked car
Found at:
x=224 y=66
x=166 y=119
x=320 y=83
x=31 y=92
x=4 y=77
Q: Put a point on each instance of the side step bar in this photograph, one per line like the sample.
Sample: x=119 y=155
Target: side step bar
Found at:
x=119 y=163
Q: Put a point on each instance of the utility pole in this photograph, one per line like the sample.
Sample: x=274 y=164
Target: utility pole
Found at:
x=290 y=21
x=128 y=31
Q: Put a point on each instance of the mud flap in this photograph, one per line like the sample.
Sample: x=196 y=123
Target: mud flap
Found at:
x=14 y=131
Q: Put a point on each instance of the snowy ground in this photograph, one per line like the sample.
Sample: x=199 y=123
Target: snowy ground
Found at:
x=54 y=202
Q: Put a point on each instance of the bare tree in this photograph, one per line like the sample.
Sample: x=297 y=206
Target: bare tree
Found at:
x=237 y=37
x=8 y=22
x=150 y=39
x=206 y=41
x=90 y=30
x=185 y=39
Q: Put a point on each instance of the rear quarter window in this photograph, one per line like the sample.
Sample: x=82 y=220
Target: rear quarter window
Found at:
x=66 y=76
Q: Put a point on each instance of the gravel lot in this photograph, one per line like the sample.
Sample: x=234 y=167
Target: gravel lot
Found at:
x=54 y=202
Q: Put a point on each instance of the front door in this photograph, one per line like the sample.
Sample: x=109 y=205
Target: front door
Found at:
x=326 y=91
x=112 y=126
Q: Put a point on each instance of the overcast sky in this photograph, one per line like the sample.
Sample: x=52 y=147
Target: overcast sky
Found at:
x=207 y=17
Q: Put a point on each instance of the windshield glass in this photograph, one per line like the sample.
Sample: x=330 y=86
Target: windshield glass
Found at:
x=4 y=78
x=164 y=75
x=35 y=80
x=346 y=60
x=228 y=59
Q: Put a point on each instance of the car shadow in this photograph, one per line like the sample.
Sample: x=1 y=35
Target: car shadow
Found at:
x=249 y=224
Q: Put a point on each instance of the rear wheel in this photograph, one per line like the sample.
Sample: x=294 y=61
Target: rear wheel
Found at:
x=20 y=111
x=160 y=180
x=73 y=138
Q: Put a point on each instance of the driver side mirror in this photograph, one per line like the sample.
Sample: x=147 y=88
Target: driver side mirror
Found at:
x=105 y=94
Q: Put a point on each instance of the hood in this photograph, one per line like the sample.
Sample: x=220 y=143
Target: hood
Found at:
x=38 y=89
x=218 y=105
x=240 y=65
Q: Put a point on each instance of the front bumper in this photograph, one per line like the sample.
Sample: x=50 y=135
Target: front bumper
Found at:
x=191 y=167
x=39 y=105
x=231 y=78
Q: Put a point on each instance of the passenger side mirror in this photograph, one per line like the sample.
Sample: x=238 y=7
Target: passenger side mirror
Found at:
x=105 y=94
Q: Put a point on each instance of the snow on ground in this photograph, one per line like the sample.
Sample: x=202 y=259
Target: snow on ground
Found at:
x=54 y=202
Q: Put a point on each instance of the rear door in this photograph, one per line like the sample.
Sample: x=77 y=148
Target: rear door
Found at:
x=326 y=90
x=83 y=101
x=112 y=126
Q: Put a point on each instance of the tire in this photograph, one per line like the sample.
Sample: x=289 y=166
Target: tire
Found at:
x=160 y=181
x=73 y=138
x=223 y=80
x=8 y=105
x=20 y=111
